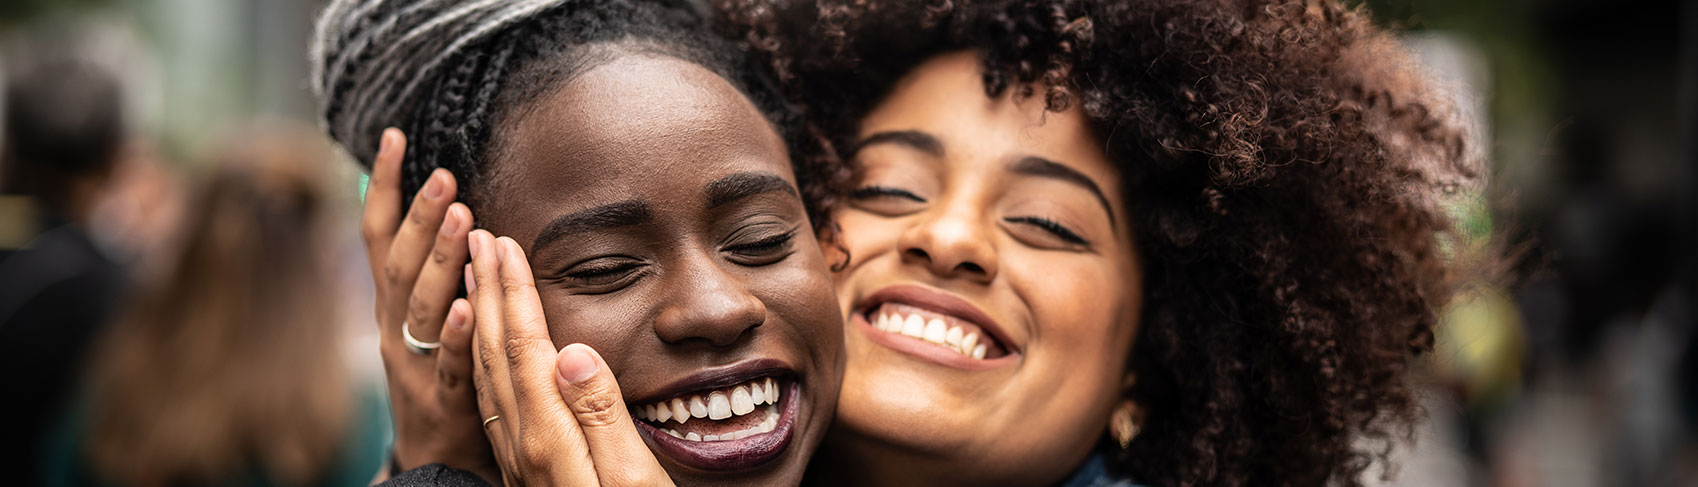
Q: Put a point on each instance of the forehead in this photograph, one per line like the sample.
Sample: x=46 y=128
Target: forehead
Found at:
x=637 y=125
x=945 y=97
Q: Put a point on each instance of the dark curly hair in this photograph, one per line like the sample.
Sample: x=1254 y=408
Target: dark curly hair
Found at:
x=449 y=74
x=1284 y=169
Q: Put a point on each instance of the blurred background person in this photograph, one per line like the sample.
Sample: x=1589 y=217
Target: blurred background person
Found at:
x=228 y=371
x=64 y=130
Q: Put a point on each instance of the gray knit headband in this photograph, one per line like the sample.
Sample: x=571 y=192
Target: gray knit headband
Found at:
x=369 y=57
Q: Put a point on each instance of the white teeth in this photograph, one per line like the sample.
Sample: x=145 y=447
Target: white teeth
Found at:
x=741 y=402
x=679 y=412
x=914 y=326
x=719 y=407
x=721 y=404
x=674 y=433
x=936 y=330
x=765 y=426
x=697 y=407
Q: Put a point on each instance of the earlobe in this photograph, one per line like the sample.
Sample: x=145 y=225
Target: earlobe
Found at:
x=1125 y=422
x=1127 y=418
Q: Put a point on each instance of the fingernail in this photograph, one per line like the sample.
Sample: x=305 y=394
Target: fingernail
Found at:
x=384 y=141
x=455 y=320
x=450 y=224
x=471 y=284
x=472 y=246
x=507 y=248
x=577 y=363
x=433 y=187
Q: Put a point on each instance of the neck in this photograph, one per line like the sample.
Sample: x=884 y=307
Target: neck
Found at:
x=848 y=458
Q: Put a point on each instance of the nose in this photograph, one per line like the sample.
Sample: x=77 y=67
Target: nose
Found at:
x=954 y=242
x=709 y=304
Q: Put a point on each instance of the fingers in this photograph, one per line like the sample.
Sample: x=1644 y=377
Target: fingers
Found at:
x=490 y=356
x=439 y=280
x=454 y=360
x=536 y=440
x=525 y=334
x=592 y=394
x=412 y=243
x=383 y=199
x=489 y=371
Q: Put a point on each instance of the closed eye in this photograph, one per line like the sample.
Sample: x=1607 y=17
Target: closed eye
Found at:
x=765 y=246
x=870 y=192
x=1048 y=225
x=603 y=275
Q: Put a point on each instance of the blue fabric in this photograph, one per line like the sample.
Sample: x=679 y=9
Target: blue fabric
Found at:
x=1094 y=473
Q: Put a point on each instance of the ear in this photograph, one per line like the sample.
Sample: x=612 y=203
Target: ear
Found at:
x=1136 y=410
x=831 y=244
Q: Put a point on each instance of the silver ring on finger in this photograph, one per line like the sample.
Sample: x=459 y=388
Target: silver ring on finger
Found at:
x=417 y=346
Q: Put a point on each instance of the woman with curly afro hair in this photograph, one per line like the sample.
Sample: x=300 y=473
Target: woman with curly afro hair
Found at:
x=1201 y=238
x=1169 y=242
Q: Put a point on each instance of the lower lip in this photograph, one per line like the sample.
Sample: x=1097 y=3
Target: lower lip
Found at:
x=927 y=351
x=735 y=455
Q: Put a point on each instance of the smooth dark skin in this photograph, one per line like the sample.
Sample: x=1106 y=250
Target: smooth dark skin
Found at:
x=651 y=199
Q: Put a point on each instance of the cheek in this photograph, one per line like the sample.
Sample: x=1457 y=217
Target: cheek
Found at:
x=1086 y=318
x=610 y=324
x=866 y=235
x=798 y=292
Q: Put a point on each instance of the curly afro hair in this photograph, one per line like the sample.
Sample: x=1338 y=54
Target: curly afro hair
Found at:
x=1285 y=168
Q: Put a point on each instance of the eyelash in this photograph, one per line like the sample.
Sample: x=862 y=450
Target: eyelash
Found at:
x=765 y=245
x=870 y=192
x=1046 y=224
x=602 y=271
x=1052 y=227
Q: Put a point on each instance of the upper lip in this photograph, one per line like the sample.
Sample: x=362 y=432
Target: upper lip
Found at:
x=719 y=377
x=939 y=301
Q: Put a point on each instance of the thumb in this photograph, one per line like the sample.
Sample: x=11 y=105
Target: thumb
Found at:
x=591 y=392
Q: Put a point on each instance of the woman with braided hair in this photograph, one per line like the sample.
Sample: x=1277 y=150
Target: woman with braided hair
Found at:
x=637 y=169
x=1175 y=242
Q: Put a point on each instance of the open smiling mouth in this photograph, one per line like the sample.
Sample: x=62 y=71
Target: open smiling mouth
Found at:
x=950 y=332
x=723 y=428
x=934 y=326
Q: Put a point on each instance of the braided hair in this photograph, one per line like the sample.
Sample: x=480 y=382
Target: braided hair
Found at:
x=1283 y=166
x=448 y=73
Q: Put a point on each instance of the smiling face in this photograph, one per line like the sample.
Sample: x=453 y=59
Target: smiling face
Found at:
x=662 y=221
x=993 y=292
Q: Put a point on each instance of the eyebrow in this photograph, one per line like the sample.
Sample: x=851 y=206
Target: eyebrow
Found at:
x=745 y=184
x=1038 y=166
x=611 y=215
x=914 y=139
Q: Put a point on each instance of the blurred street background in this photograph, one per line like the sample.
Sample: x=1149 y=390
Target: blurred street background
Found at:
x=1577 y=366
